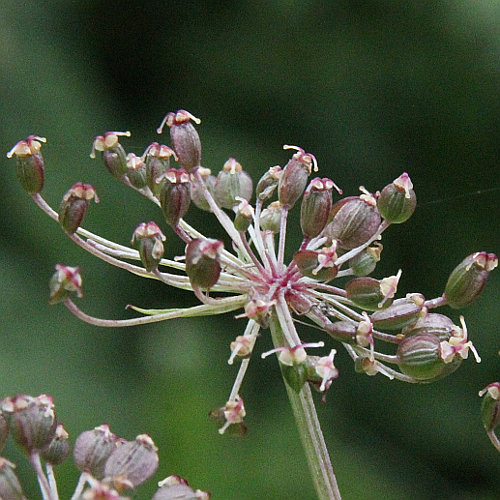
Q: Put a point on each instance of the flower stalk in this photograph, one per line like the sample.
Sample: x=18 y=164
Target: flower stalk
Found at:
x=311 y=435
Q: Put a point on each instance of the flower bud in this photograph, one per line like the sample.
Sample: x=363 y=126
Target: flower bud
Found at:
x=259 y=311
x=150 y=238
x=432 y=323
x=197 y=194
x=317 y=265
x=467 y=280
x=316 y=206
x=458 y=346
x=367 y=293
x=490 y=406
x=184 y=137
x=64 y=282
x=343 y=331
x=364 y=263
x=293 y=180
x=136 y=171
x=175 y=195
x=157 y=159
x=355 y=220
x=74 y=206
x=177 y=488
x=32 y=420
x=268 y=183
x=233 y=414
x=113 y=154
x=244 y=216
x=92 y=450
x=30 y=164
x=242 y=347
x=419 y=357
x=270 y=218
x=397 y=201
x=58 y=449
x=231 y=417
x=10 y=487
x=203 y=262
x=232 y=185
x=321 y=371
x=4 y=431
x=367 y=365
x=133 y=462
x=401 y=313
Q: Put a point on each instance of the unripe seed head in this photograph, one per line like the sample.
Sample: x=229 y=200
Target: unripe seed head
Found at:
x=74 y=206
x=367 y=293
x=203 y=262
x=184 y=137
x=92 y=450
x=32 y=420
x=268 y=183
x=175 y=195
x=10 y=487
x=293 y=366
x=490 y=406
x=244 y=216
x=113 y=154
x=401 y=313
x=232 y=185
x=58 y=449
x=467 y=280
x=270 y=218
x=316 y=206
x=136 y=171
x=432 y=323
x=419 y=357
x=157 y=159
x=364 y=263
x=298 y=302
x=197 y=194
x=397 y=201
x=30 y=164
x=316 y=265
x=293 y=180
x=150 y=238
x=116 y=162
x=295 y=376
x=354 y=221
x=132 y=462
x=343 y=331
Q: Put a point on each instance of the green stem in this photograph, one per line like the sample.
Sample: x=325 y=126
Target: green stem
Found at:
x=310 y=432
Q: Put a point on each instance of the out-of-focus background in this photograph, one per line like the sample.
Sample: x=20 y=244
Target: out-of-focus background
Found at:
x=372 y=88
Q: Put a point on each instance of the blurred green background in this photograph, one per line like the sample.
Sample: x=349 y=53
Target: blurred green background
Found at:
x=372 y=88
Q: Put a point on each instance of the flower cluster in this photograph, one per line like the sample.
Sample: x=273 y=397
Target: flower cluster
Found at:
x=109 y=465
x=325 y=281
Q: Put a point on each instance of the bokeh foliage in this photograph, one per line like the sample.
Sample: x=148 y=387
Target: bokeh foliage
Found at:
x=372 y=88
